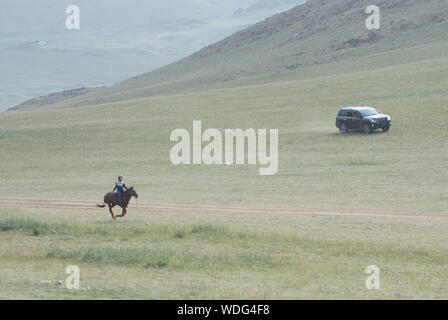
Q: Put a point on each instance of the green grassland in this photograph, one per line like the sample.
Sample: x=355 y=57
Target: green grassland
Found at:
x=215 y=256
x=76 y=153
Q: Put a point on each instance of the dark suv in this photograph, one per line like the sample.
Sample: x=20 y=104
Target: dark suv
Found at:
x=364 y=119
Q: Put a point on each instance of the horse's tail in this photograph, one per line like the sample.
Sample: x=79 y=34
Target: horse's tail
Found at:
x=106 y=200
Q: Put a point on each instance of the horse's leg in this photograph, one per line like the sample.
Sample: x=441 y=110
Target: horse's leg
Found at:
x=111 y=212
x=124 y=212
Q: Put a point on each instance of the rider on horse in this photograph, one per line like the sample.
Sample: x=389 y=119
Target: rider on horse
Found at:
x=119 y=186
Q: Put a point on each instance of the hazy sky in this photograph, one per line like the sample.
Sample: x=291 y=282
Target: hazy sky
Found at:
x=118 y=39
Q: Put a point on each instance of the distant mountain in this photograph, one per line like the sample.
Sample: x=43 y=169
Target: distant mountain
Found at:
x=269 y=4
x=316 y=33
x=118 y=39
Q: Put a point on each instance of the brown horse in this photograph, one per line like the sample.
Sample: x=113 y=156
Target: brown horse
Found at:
x=111 y=199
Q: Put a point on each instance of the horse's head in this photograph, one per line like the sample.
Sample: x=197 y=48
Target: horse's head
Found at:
x=132 y=192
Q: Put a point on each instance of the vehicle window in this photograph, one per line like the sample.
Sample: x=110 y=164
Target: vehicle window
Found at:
x=369 y=112
x=356 y=114
x=342 y=113
x=350 y=114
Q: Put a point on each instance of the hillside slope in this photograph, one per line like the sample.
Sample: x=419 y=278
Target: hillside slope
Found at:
x=316 y=33
x=117 y=40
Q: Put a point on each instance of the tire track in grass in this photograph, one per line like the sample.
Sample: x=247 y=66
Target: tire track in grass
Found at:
x=39 y=203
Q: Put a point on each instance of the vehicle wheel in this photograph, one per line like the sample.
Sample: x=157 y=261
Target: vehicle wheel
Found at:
x=366 y=129
x=385 y=129
x=343 y=128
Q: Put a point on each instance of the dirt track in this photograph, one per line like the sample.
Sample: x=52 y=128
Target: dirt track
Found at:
x=198 y=208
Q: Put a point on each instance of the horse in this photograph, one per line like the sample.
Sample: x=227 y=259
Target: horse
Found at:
x=111 y=199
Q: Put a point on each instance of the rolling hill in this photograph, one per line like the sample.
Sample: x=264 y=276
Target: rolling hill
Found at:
x=319 y=32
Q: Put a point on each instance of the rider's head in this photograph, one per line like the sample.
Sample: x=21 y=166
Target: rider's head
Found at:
x=120 y=178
